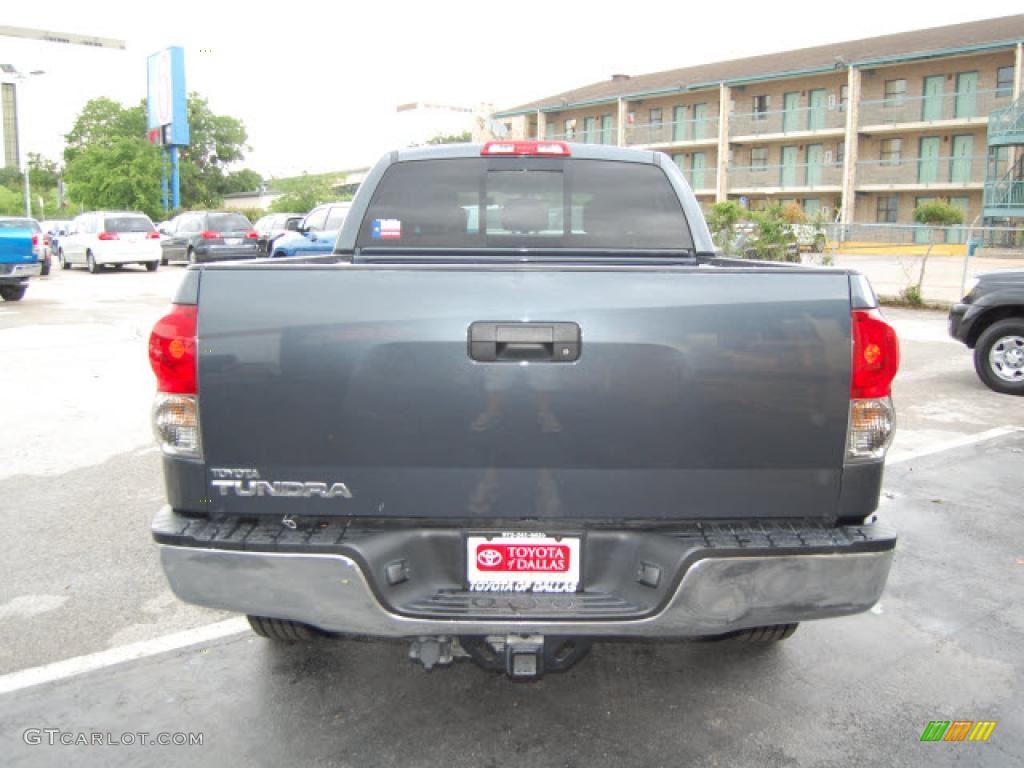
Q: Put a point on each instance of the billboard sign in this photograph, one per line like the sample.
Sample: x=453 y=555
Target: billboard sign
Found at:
x=166 y=100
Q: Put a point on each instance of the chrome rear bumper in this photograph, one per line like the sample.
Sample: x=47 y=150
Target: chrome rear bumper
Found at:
x=715 y=595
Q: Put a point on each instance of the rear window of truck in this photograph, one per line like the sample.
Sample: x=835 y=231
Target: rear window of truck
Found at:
x=533 y=203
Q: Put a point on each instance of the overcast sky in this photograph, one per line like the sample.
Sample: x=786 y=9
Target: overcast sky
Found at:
x=317 y=84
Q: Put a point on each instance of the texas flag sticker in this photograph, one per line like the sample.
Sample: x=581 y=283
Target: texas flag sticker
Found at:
x=387 y=229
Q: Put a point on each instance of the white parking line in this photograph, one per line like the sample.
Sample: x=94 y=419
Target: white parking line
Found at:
x=898 y=457
x=59 y=670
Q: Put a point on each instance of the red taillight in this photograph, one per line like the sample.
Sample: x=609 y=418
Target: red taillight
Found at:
x=172 y=351
x=251 y=234
x=542 y=148
x=107 y=236
x=46 y=239
x=210 y=234
x=876 y=355
x=154 y=235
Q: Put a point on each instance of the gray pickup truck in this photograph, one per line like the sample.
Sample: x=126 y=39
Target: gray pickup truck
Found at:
x=521 y=407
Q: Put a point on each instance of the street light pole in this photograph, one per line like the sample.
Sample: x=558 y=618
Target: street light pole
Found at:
x=69 y=38
x=22 y=148
x=28 y=192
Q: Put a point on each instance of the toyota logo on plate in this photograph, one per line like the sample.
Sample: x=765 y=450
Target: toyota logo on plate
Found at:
x=488 y=557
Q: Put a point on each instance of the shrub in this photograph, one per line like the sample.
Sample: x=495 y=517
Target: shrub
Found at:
x=911 y=296
x=722 y=222
x=794 y=214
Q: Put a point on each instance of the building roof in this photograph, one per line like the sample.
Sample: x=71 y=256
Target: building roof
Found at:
x=904 y=46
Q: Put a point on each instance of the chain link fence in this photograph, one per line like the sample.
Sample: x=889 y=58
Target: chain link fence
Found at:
x=893 y=256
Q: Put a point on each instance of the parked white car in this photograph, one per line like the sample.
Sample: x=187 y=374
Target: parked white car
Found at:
x=101 y=238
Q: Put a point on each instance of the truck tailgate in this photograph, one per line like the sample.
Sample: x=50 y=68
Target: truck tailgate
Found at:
x=16 y=245
x=699 y=393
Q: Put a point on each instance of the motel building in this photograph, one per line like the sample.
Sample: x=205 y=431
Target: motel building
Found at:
x=863 y=131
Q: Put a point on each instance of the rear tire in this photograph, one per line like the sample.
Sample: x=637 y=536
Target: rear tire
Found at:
x=999 y=356
x=283 y=630
x=44 y=269
x=152 y=265
x=64 y=263
x=90 y=262
x=769 y=634
x=13 y=292
x=191 y=256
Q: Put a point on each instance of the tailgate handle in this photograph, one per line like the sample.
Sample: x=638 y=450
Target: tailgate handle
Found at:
x=517 y=342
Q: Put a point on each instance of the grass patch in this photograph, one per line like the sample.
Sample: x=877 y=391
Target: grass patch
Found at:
x=901 y=301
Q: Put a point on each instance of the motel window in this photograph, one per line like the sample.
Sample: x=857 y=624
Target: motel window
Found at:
x=760 y=107
x=1004 y=81
x=759 y=158
x=895 y=91
x=844 y=97
x=655 y=117
x=891 y=151
x=887 y=209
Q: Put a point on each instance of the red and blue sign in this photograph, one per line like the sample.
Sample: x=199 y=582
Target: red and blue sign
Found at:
x=166 y=97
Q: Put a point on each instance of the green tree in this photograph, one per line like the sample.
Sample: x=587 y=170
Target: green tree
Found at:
x=100 y=123
x=304 y=194
x=108 y=132
x=121 y=174
x=242 y=181
x=42 y=173
x=935 y=214
x=217 y=142
x=451 y=138
x=12 y=202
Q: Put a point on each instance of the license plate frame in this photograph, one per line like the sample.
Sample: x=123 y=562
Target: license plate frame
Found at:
x=523 y=562
x=232 y=241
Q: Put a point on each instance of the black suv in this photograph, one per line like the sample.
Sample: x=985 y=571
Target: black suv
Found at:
x=990 y=320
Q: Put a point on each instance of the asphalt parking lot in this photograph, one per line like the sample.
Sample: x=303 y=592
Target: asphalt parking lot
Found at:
x=80 y=578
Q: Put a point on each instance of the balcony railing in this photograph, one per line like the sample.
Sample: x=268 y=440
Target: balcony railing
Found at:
x=596 y=136
x=923 y=172
x=1006 y=125
x=797 y=120
x=964 y=105
x=699 y=129
x=791 y=176
x=1006 y=196
x=701 y=179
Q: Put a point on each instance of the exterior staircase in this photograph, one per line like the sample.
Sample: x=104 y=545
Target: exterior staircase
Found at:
x=1004 y=178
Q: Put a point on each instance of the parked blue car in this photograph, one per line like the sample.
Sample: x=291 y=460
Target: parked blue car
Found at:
x=316 y=233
